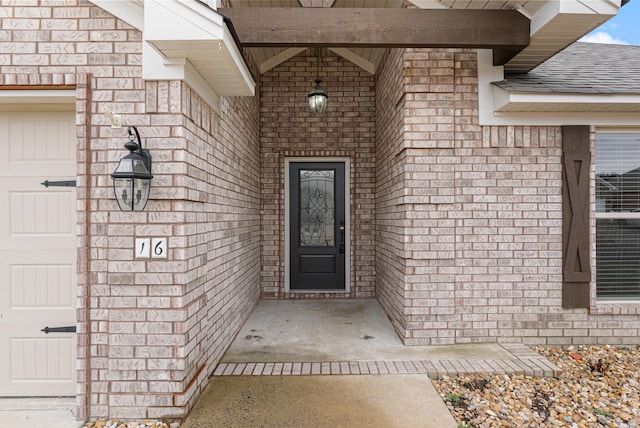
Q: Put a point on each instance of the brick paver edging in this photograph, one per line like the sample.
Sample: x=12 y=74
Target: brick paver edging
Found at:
x=525 y=362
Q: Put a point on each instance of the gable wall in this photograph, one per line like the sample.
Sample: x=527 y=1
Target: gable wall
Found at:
x=346 y=129
x=150 y=331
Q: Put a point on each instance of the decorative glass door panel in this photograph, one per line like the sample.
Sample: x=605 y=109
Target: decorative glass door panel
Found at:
x=317 y=208
x=317 y=226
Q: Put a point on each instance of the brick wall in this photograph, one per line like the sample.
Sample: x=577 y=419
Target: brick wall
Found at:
x=150 y=331
x=391 y=213
x=481 y=217
x=216 y=172
x=346 y=130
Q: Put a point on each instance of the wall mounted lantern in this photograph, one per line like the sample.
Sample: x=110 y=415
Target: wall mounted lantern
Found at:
x=318 y=97
x=132 y=177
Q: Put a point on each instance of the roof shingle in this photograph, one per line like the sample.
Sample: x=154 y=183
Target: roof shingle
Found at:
x=583 y=68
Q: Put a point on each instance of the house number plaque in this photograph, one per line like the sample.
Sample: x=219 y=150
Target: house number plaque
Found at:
x=155 y=248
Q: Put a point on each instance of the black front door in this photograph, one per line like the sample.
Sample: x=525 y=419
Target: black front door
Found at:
x=318 y=233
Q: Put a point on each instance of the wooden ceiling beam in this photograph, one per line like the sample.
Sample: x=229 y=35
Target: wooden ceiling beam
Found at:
x=504 y=31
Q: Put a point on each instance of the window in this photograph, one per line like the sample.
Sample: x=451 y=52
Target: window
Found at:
x=618 y=216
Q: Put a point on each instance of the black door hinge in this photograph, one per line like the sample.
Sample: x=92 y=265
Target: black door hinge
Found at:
x=67 y=183
x=69 y=329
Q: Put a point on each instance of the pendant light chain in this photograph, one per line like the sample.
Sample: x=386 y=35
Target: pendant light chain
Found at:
x=318 y=97
x=318 y=63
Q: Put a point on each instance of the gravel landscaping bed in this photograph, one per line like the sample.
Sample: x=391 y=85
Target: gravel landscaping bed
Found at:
x=599 y=387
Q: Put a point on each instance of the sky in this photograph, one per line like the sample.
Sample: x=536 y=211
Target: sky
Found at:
x=622 y=29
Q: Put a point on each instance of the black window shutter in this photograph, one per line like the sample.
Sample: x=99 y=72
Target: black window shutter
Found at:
x=576 y=263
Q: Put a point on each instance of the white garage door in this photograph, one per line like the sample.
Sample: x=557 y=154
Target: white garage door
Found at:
x=37 y=254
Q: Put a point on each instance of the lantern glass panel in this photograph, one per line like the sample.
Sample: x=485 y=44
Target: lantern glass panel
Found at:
x=132 y=183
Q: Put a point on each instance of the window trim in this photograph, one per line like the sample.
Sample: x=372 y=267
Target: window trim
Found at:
x=605 y=306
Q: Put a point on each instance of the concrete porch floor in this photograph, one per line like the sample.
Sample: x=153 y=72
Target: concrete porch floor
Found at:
x=339 y=363
x=320 y=336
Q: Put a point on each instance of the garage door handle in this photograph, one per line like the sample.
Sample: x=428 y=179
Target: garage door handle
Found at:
x=67 y=183
x=69 y=329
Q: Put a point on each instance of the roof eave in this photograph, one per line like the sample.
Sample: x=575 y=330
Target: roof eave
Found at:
x=557 y=25
x=554 y=102
x=189 y=41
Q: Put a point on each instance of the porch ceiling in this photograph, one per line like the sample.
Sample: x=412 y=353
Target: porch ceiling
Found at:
x=269 y=57
x=554 y=26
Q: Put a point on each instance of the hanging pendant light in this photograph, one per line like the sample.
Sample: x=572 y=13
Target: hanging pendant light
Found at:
x=318 y=97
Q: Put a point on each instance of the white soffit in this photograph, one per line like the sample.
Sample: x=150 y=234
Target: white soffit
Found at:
x=197 y=35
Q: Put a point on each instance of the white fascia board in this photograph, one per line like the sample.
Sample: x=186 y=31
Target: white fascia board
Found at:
x=238 y=60
x=487 y=74
x=125 y=10
x=156 y=67
x=562 y=119
x=503 y=98
x=491 y=99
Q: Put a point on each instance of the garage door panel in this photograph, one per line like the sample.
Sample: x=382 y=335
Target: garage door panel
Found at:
x=37 y=140
x=41 y=285
x=42 y=213
x=39 y=364
x=37 y=254
x=37 y=286
x=29 y=360
x=34 y=212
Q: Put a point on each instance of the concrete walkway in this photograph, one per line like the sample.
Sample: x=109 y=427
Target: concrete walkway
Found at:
x=320 y=401
x=339 y=363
